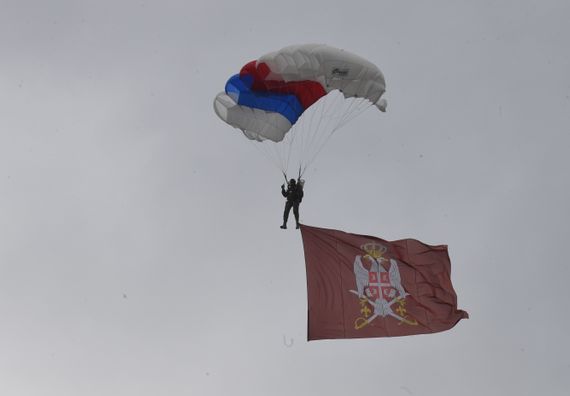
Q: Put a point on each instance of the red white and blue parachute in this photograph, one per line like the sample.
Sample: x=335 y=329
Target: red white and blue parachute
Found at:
x=307 y=90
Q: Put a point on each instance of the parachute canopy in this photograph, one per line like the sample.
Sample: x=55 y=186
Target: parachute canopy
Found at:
x=272 y=94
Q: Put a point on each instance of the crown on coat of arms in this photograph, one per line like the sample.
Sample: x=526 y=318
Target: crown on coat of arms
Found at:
x=374 y=249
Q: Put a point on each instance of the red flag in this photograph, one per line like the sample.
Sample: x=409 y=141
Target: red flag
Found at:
x=362 y=286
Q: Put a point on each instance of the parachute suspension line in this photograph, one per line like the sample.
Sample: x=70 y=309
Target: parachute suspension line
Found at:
x=334 y=116
x=295 y=143
x=322 y=134
x=308 y=132
x=317 y=137
x=348 y=112
x=289 y=149
x=273 y=151
x=350 y=115
x=352 y=110
x=312 y=159
x=364 y=105
x=278 y=150
x=328 y=113
x=311 y=132
x=258 y=146
x=355 y=108
x=299 y=132
x=282 y=152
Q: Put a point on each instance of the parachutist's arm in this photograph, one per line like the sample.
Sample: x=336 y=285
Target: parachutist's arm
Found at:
x=283 y=192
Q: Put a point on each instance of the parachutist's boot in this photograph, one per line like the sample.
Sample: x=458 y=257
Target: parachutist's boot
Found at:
x=284 y=226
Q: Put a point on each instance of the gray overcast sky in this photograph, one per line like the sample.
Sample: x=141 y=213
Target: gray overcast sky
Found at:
x=140 y=252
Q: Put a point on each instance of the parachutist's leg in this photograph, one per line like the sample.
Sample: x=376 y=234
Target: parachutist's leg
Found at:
x=288 y=207
x=296 y=212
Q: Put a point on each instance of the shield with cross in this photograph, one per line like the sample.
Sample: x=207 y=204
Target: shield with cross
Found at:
x=378 y=288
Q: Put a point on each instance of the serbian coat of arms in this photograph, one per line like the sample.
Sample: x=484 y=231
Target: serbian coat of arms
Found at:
x=379 y=287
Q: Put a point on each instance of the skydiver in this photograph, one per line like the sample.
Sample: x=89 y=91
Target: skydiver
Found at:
x=294 y=195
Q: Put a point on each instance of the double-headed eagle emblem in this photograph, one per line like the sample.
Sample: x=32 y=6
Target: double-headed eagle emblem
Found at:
x=378 y=288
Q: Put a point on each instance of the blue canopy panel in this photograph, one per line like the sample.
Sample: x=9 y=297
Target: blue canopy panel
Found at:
x=239 y=89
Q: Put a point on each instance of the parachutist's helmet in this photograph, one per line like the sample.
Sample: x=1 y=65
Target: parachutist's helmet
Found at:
x=292 y=181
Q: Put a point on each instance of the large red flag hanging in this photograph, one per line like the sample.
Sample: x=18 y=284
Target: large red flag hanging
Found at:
x=362 y=286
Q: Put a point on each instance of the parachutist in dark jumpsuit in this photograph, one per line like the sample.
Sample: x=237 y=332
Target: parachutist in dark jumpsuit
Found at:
x=294 y=195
